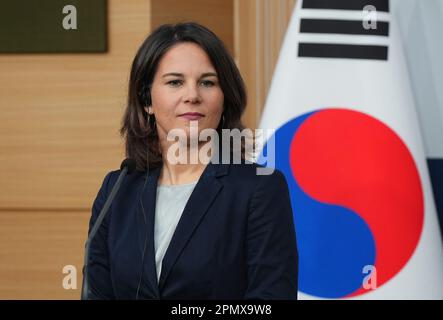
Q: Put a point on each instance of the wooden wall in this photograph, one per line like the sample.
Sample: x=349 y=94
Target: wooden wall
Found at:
x=59 y=121
x=259 y=28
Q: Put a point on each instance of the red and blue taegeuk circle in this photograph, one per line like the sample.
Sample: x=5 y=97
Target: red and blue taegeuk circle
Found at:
x=356 y=197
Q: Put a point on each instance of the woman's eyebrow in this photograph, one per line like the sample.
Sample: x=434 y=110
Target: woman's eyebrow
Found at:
x=177 y=74
x=208 y=74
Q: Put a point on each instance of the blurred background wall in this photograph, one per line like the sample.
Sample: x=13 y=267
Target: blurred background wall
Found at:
x=59 y=121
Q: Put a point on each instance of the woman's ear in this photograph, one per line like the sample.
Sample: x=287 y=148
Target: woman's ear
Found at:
x=148 y=110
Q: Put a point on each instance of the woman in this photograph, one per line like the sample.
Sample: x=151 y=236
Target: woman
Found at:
x=190 y=230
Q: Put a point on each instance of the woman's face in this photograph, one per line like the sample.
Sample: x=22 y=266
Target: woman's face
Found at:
x=185 y=82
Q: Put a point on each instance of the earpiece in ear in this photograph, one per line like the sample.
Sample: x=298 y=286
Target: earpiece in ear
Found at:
x=146 y=95
x=147 y=98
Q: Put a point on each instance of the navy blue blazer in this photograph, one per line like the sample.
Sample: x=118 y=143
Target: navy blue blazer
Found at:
x=235 y=239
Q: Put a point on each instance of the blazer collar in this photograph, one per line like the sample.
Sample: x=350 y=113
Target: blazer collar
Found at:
x=204 y=193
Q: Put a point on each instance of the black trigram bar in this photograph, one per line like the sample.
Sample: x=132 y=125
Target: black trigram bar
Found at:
x=380 y=5
x=347 y=51
x=342 y=27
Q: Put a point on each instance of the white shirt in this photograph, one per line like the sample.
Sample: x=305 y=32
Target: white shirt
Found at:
x=171 y=201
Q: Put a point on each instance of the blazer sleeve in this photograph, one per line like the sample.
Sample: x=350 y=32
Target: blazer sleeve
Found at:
x=272 y=257
x=100 y=286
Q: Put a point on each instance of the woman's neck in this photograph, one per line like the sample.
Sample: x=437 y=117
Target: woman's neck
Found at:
x=183 y=171
x=173 y=174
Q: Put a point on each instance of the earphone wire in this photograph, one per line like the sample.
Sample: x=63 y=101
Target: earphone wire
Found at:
x=144 y=219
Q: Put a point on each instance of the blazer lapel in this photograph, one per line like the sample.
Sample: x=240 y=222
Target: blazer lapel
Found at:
x=145 y=227
x=199 y=202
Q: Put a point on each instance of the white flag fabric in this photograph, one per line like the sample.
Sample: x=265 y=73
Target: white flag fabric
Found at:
x=420 y=24
x=348 y=141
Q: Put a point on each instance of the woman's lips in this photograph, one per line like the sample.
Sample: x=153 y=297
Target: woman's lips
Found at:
x=192 y=115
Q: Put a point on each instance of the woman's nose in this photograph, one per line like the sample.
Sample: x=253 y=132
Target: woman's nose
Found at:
x=192 y=94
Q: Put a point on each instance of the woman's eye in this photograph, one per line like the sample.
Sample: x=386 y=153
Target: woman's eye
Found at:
x=207 y=83
x=174 y=83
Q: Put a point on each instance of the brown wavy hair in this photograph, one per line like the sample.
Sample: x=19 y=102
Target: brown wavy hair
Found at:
x=139 y=133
